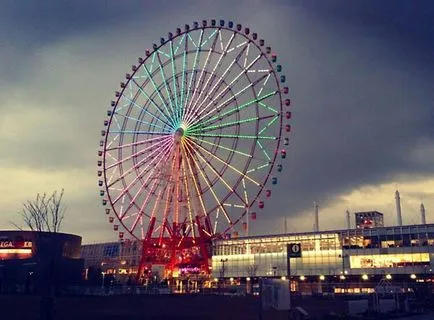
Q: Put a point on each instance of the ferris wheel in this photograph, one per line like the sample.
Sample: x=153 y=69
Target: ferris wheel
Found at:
x=194 y=136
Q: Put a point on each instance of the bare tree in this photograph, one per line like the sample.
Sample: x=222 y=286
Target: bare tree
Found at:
x=45 y=213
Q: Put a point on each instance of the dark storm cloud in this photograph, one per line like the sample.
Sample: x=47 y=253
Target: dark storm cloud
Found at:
x=363 y=98
x=360 y=74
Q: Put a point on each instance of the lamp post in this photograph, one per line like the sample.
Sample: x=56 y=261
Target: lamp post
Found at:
x=222 y=270
x=102 y=282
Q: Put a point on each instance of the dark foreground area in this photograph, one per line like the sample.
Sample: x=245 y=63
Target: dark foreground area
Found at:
x=159 y=307
x=133 y=307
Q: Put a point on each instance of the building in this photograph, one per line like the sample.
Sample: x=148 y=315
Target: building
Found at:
x=345 y=257
x=30 y=261
x=349 y=260
x=369 y=219
x=112 y=258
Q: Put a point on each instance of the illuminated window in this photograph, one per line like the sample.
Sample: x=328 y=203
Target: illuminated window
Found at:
x=389 y=260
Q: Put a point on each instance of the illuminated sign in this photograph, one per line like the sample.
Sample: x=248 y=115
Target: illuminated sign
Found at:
x=15 y=244
x=15 y=249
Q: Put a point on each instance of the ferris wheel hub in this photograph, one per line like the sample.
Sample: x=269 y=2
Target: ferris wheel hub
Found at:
x=178 y=134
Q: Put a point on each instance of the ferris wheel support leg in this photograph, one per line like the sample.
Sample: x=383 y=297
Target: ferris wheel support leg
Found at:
x=141 y=267
x=145 y=242
x=203 y=244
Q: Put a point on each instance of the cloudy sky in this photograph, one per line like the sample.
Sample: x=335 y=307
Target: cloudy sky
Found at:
x=361 y=75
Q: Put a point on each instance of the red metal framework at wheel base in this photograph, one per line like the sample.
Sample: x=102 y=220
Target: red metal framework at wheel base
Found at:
x=178 y=252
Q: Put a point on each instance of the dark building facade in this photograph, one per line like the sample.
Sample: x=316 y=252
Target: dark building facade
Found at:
x=34 y=261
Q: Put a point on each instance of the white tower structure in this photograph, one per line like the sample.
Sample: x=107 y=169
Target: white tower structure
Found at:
x=398 y=208
x=348 y=219
x=316 y=222
x=422 y=214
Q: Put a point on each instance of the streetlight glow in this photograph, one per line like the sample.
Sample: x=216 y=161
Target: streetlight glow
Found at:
x=321 y=277
x=413 y=276
x=302 y=278
x=388 y=277
x=365 y=277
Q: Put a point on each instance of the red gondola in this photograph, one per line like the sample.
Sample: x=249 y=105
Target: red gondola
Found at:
x=288 y=115
x=261 y=204
x=283 y=153
x=107 y=211
x=111 y=219
x=115 y=227
x=268 y=193
x=253 y=215
x=121 y=235
x=287 y=102
x=288 y=128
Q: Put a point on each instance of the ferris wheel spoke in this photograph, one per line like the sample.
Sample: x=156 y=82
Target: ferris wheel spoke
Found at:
x=233 y=136
x=175 y=85
x=213 y=169
x=228 y=86
x=180 y=43
x=189 y=199
x=231 y=124
x=164 y=133
x=268 y=125
x=140 y=175
x=229 y=101
x=183 y=79
x=138 y=120
x=194 y=107
x=143 y=206
x=227 y=164
x=196 y=57
x=145 y=110
x=191 y=103
x=166 y=116
x=169 y=92
x=140 y=214
x=155 y=144
x=193 y=174
x=165 y=146
x=222 y=147
x=207 y=182
x=188 y=101
x=234 y=110
x=158 y=93
x=263 y=150
x=152 y=140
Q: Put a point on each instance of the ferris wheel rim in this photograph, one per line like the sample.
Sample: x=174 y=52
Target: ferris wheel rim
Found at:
x=271 y=163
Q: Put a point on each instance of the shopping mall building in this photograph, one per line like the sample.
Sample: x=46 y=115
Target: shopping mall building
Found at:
x=339 y=260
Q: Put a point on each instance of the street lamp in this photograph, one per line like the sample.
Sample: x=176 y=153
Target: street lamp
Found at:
x=102 y=282
x=222 y=270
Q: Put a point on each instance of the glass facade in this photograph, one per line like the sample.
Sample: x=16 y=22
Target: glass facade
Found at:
x=395 y=250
